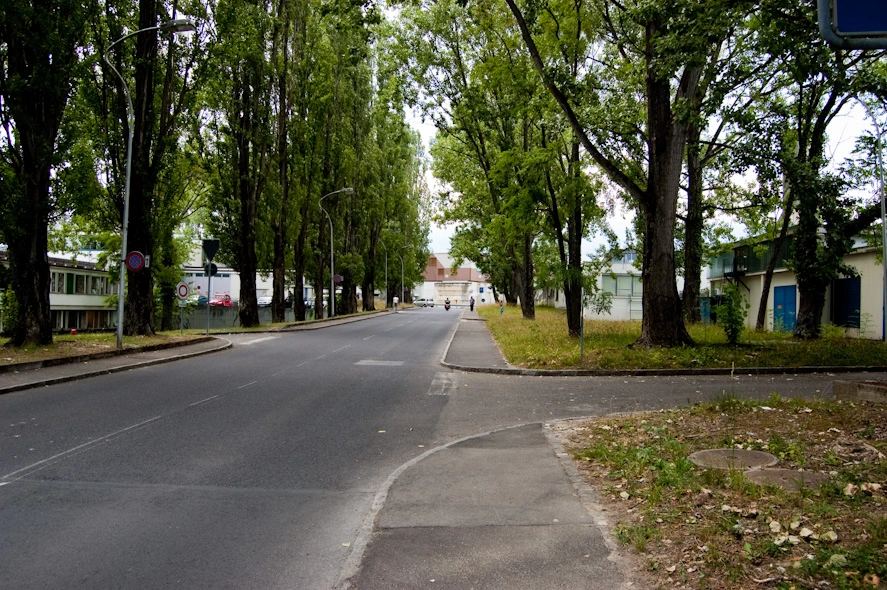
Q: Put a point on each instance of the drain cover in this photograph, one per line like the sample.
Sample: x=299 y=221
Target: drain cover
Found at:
x=787 y=479
x=732 y=459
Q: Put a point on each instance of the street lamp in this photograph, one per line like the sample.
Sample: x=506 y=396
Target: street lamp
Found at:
x=401 y=274
x=179 y=25
x=386 y=273
x=401 y=278
x=347 y=190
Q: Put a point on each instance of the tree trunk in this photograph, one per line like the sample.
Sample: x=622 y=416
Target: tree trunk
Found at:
x=281 y=223
x=139 y=308
x=528 y=291
x=693 y=226
x=299 y=266
x=771 y=264
x=663 y=319
x=810 y=312
x=29 y=268
x=247 y=195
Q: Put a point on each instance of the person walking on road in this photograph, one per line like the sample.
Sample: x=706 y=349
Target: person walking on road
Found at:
x=471 y=303
x=395 y=300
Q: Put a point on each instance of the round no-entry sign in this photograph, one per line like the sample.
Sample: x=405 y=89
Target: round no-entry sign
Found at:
x=182 y=290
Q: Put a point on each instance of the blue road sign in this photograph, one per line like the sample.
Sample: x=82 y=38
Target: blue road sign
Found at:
x=135 y=261
x=860 y=18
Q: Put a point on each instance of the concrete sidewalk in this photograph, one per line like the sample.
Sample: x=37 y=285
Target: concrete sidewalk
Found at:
x=498 y=511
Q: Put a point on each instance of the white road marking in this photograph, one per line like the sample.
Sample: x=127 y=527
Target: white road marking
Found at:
x=79 y=447
x=343 y=348
x=247 y=343
x=372 y=363
x=442 y=384
x=247 y=384
x=368 y=337
x=203 y=401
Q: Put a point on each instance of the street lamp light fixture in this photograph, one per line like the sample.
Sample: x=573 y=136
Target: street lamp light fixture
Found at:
x=347 y=190
x=179 y=25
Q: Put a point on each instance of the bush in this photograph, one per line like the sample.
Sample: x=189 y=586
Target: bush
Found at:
x=9 y=311
x=732 y=312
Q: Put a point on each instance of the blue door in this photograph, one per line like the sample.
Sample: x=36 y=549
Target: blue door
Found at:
x=784 y=308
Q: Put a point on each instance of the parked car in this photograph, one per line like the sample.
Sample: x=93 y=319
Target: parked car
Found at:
x=423 y=302
x=264 y=301
x=223 y=300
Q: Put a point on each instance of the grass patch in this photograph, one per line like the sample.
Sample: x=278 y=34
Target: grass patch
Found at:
x=545 y=344
x=708 y=528
x=66 y=345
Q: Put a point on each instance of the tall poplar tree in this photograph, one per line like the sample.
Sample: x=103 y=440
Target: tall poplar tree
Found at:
x=40 y=50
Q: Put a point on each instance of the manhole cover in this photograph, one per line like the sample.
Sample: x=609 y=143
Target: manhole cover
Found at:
x=732 y=459
x=787 y=479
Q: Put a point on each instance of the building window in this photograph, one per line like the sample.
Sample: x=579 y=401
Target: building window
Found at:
x=57 y=283
x=80 y=284
x=627 y=257
x=622 y=285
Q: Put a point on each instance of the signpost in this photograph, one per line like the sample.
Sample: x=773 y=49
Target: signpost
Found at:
x=182 y=291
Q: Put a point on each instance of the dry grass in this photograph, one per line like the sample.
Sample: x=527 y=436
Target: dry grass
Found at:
x=706 y=528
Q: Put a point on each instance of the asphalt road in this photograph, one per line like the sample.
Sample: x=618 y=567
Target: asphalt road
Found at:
x=257 y=467
x=249 y=468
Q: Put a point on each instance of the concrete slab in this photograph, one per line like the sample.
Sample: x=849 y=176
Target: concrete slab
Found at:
x=569 y=557
x=740 y=459
x=787 y=479
x=510 y=477
x=473 y=346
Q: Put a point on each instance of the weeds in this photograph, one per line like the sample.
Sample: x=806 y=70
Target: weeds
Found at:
x=714 y=529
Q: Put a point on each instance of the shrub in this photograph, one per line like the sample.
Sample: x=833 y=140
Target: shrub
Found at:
x=732 y=312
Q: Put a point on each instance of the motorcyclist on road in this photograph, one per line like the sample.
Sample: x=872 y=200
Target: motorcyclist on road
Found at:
x=447 y=303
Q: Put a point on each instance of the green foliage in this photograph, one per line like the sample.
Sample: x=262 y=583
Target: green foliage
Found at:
x=10 y=313
x=732 y=312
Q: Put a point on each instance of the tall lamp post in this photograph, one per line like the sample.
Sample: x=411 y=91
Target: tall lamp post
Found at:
x=401 y=274
x=179 y=25
x=347 y=190
x=401 y=278
x=386 y=272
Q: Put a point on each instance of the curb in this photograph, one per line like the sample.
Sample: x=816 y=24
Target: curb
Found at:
x=661 y=372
